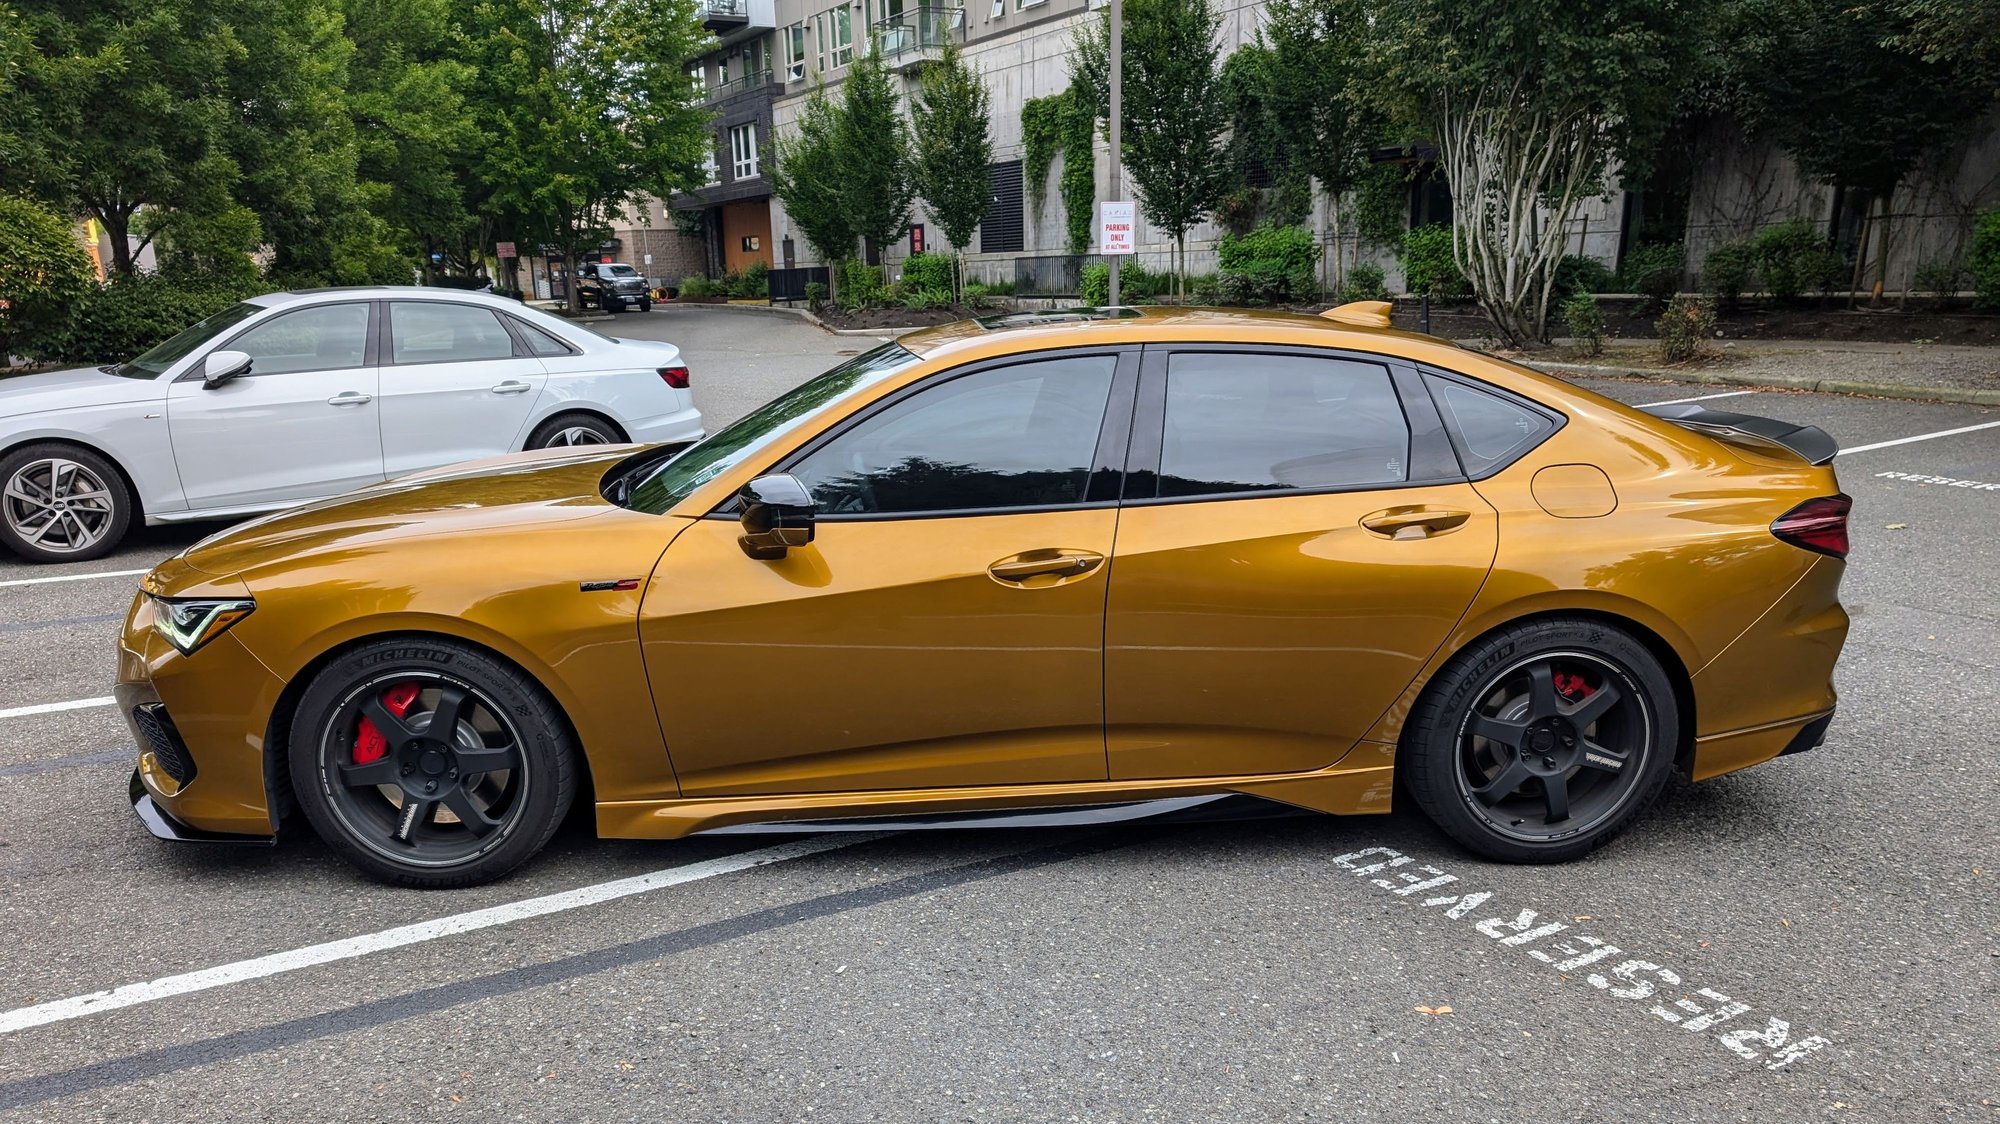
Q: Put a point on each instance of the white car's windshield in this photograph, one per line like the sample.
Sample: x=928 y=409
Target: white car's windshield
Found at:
x=714 y=455
x=156 y=361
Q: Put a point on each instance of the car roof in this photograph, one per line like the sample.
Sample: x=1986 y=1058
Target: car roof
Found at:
x=1086 y=327
x=379 y=292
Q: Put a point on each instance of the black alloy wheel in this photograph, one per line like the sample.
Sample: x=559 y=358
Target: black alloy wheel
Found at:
x=427 y=763
x=1543 y=742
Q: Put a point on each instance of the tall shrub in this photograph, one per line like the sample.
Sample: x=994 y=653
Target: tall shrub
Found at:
x=1983 y=260
x=43 y=274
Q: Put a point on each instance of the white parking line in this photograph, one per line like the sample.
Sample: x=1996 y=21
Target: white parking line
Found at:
x=1922 y=437
x=1702 y=398
x=51 y=708
x=130 y=995
x=73 y=577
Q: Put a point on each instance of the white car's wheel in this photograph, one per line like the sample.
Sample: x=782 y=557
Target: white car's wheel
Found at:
x=62 y=503
x=573 y=429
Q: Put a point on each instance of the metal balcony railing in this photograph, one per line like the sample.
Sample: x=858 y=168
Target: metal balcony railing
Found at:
x=725 y=9
x=756 y=79
x=917 y=30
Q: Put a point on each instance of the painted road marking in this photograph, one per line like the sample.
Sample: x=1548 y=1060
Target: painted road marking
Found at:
x=1922 y=437
x=276 y=963
x=74 y=577
x=1949 y=481
x=1702 y=398
x=51 y=708
x=1696 y=1010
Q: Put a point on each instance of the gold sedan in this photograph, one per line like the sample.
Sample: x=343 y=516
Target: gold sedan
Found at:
x=1103 y=564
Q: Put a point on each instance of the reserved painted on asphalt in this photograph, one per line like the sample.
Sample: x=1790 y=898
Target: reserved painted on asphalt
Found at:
x=1948 y=481
x=1697 y=1011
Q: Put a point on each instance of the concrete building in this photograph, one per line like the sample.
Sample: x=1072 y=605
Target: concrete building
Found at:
x=769 y=52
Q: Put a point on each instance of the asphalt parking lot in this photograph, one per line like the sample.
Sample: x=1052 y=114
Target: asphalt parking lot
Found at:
x=1820 y=936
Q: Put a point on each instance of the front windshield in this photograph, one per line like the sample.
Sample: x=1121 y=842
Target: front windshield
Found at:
x=673 y=481
x=619 y=271
x=156 y=361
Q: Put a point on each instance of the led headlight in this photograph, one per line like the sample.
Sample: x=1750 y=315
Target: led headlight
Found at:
x=189 y=622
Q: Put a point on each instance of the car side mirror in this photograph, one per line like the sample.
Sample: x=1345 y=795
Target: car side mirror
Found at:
x=221 y=366
x=778 y=514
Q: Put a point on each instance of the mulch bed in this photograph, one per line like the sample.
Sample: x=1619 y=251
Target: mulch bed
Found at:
x=1833 y=322
x=836 y=317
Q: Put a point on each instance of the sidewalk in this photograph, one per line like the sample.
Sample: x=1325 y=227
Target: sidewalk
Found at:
x=1927 y=372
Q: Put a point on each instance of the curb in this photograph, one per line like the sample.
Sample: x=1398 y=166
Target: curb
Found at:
x=1918 y=393
x=803 y=314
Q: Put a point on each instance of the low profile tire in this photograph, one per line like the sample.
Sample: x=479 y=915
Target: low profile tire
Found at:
x=646 y=305
x=62 y=503
x=429 y=763
x=1543 y=741
x=573 y=429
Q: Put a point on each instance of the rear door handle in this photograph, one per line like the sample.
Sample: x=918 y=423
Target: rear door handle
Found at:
x=1036 y=563
x=511 y=386
x=350 y=398
x=1414 y=522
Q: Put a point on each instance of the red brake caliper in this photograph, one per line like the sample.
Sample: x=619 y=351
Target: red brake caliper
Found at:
x=369 y=743
x=1569 y=685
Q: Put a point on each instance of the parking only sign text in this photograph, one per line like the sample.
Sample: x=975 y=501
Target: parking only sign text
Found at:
x=1115 y=223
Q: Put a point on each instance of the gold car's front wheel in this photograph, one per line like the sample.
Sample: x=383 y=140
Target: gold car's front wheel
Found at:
x=1543 y=741
x=430 y=763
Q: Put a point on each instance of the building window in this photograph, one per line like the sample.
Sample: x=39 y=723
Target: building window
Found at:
x=819 y=42
x=699 y=76
x=711 y=173
x=840 y=29
x=1018 y=4
x=793 y=40
x=743 y=152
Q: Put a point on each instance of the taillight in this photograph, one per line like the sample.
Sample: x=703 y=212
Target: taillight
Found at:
x=676 y=377
x=1818 y=525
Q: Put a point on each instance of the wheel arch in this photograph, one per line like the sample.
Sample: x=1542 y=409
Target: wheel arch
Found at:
x=277 y=748
x=567 y=409
x=124 y=473
x=1672 y=660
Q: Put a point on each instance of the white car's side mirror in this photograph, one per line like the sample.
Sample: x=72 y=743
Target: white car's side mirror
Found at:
x=221 y=366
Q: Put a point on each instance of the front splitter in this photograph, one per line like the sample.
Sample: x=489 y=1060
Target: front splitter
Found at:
x=164 y=826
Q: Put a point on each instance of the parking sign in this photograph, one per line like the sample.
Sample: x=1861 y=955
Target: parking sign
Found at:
x=1115 y=223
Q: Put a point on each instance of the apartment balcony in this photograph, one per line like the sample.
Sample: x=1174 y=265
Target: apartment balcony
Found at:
x=917 y=35
x=732 y=20
x=764 y=81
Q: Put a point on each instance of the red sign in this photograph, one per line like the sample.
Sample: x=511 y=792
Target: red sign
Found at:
x=504 y=250
x=917 y=239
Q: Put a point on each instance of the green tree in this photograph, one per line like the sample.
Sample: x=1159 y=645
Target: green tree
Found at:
x=1312 y=106
x=1822 y=79
x=953 y=147
x=872 y=154
x=131 y=106
x=414 y=126
x=1527 y=105
x=586 y=108
x=43 y=272
x=1174 y=112
x=805 y=176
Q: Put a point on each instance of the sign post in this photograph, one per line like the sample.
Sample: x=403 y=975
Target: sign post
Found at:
x=1117 y=53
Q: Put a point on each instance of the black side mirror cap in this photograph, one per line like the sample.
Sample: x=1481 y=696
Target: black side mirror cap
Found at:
x=778 y=514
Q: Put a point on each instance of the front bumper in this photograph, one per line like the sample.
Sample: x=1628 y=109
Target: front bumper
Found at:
x=164 y=826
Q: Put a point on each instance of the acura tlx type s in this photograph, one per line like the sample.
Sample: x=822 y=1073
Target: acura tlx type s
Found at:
x=1096 y=565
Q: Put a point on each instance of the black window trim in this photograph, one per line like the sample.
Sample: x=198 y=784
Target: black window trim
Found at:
x=1432 y=460
x=517 y=345
x=370 y=355
x=517 y=327
x=1457 y=440
x=1106 y=480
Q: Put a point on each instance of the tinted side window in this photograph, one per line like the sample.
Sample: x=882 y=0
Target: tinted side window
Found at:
x=436 y=332
x=540 y=342
x=330 y=337
x=1019 y=436
x=1487 y=429
x=1239 y=422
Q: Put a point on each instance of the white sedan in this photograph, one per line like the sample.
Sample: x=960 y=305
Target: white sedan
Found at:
x=291 y=397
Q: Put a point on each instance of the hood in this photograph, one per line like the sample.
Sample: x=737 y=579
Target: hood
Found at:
x=464 y=501
x=79 y=386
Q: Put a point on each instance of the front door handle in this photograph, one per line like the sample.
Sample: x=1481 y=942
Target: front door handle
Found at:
x=1414 y=522
x=350 y=398
x=511 y=386
x=1039 y=563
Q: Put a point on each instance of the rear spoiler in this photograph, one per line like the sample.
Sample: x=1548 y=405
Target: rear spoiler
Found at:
x=1808 y=441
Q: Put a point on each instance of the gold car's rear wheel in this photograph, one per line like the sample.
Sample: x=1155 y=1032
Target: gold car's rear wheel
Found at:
x=1543 y=741
x=428 y=763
